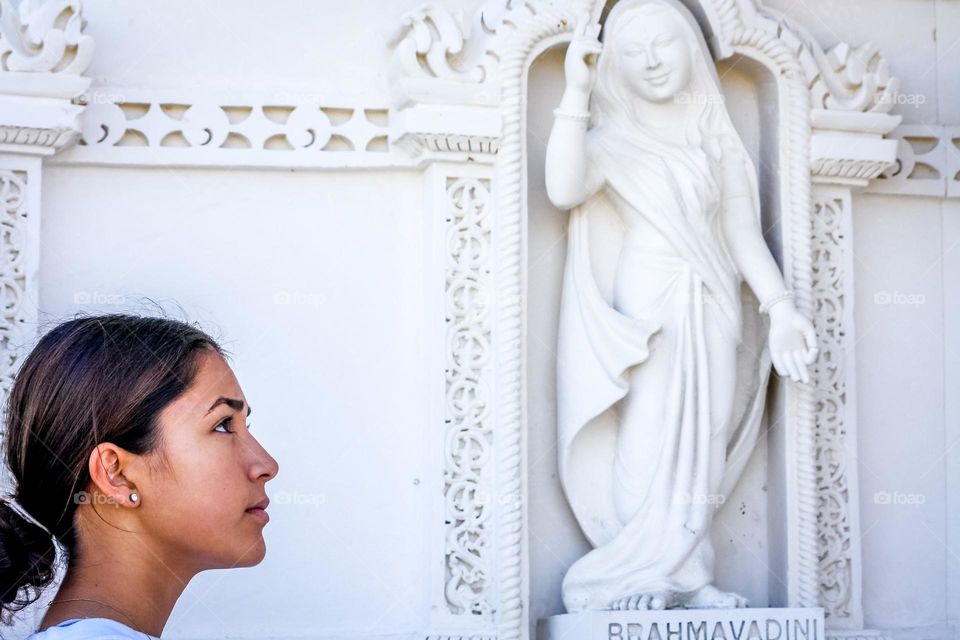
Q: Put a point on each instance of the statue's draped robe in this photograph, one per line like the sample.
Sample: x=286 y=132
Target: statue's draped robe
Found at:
x=665 y=544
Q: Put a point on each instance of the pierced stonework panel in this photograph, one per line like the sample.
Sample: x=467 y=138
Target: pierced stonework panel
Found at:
x=129 y=129
x=928 y=163
x=834 y=506
x=469 y=434
x=14 y=241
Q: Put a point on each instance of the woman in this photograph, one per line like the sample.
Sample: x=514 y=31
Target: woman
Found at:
x=662 y=363
x=128 y=445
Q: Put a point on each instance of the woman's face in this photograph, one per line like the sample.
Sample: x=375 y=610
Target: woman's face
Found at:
x=654 y=57
x=198 y=506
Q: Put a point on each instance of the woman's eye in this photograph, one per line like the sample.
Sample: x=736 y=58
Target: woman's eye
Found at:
x=224 y=423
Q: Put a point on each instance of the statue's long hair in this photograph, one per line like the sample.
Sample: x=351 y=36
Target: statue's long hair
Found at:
x=621 y=132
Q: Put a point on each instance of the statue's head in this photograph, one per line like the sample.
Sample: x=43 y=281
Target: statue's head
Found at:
x=654 y=53
x=651 y=50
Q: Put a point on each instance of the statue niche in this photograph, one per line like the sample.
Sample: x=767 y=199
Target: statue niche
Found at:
x=661 y=385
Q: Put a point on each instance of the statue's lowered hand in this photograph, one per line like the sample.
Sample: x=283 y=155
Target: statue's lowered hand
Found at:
x=793 y=342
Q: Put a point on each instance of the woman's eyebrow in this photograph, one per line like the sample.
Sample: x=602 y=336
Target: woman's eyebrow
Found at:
x=236 y=405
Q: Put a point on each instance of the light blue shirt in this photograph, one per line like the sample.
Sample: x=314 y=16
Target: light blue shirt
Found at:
x=89 y=629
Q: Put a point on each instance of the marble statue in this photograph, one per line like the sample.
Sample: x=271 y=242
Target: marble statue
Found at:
x=664 y=352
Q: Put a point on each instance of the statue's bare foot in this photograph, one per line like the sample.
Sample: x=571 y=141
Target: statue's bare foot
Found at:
x=645 y=601
x=709 y=597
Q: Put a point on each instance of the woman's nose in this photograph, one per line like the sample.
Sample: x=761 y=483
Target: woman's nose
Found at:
x=264 y=464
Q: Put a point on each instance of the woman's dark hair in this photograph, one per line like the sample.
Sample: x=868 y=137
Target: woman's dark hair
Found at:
x=88 y=380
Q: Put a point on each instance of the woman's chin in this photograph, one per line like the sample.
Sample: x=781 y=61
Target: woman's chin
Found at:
x=254 y=554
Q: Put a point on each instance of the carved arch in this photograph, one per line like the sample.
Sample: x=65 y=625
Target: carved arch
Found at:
x=825 y=100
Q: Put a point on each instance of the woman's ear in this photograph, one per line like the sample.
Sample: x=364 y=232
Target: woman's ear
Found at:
x=107 y=465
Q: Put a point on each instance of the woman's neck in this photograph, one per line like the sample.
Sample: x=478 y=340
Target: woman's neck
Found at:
x=137 y=591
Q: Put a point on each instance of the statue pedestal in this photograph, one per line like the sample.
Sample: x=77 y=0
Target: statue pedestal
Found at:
x=686 y=624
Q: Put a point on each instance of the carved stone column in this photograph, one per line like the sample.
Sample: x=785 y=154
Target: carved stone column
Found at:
x=454 y=138
x=851 y=95
x=43 y=53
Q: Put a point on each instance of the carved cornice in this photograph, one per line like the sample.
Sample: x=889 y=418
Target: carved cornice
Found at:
x=441 y=58
x=434 y=44
x=851 y=95
x=43 y=52
x=35 y=137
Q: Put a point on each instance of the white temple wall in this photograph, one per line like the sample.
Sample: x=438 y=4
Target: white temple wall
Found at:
x=325 y=285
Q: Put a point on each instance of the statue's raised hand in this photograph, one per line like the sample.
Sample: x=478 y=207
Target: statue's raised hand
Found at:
x=580 y=64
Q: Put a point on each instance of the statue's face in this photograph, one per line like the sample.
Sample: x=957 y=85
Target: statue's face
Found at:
x=654 y=57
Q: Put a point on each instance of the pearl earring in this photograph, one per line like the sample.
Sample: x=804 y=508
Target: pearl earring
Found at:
x=134 y=498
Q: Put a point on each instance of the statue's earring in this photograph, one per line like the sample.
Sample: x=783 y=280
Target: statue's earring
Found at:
x=134 y=498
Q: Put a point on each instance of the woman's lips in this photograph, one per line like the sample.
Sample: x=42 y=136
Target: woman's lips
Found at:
x=259 y=513
x=259 y=510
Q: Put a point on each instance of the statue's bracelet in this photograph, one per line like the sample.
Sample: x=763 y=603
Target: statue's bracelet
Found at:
x=786 y=295
x=582 y=116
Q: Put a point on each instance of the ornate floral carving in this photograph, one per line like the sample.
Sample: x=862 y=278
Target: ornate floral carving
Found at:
x=13 y=275
x=469 y=436
x=833 y=495
x=851 y=79
x=44 y=36
x=433 y=42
